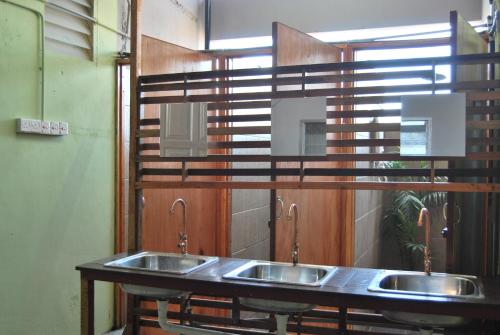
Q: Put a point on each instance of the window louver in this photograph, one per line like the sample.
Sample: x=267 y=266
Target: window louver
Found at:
x=69 y=27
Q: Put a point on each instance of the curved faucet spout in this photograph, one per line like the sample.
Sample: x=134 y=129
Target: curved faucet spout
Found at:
x=295 y=217
x=182 y=235
x=424 y=213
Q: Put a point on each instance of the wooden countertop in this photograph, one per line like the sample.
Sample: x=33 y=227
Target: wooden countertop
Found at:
x=346 y=288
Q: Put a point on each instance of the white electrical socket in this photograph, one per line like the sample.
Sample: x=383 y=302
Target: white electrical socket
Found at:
x=23 y=126
x=45 y=128
x=54 y=127
x=36 y=126
x=31 y=126
x=63 y=128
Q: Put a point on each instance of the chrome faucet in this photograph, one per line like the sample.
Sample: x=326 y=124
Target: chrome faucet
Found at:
x=295 y=247
x=427 y=250
x=183 y=238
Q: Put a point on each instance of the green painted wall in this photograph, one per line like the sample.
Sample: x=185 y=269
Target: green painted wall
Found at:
x=56 y=193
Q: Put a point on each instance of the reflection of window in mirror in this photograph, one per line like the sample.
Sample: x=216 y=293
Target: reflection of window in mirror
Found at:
x=313 y=138
x=416 y=137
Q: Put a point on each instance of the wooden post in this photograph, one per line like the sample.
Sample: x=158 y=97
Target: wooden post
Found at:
x=135 y=71
x=86 y=306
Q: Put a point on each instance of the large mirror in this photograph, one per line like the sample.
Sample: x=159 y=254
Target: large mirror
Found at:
x=183 y=130
x=298 y=127
x=433 y=125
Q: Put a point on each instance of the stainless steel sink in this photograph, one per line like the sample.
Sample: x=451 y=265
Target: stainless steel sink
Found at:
x=281 y=273
x=160 y=262
x=163 y=262
x=421 y=284
x=418 y=283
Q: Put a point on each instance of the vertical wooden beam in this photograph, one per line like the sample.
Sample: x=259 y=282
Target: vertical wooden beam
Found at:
x=86 y=306
x=133 y=223
x=119 y=191
x=348 y=196
x=223 y=224
x=135 y=71
x=273 y=192
x=451 y=196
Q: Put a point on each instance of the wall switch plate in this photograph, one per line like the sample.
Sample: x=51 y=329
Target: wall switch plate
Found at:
x=45 y=128
x=63 y=128
x=54 y=127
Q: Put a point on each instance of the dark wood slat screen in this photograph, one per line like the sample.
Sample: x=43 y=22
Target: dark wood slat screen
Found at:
x=378 y=123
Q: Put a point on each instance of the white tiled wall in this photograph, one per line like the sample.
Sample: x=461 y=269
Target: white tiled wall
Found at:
x=368 y=217
x=250 y=211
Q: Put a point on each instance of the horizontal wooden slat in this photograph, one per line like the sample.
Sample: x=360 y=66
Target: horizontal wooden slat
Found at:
x=357 y=113
x=330 y=115
x=311 y=68
x=331 y=157
x=466 y=85
x=149 y=133
x=218 y=145
x=483 y=141
x=331 y=128
x=483 y=96
x=384 y=142
x=362 y=127
x=161 y=172
x=321 y=172
x=239 y=144
x=493 y=124
x=483 y=110
x=329 y=102
x=240 y=130
x=422 y=186
x=239 y=118
x=357 y=45
x=239 y=105
x=283 y=81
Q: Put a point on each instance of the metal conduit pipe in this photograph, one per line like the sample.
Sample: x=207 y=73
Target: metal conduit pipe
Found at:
x=41 y=56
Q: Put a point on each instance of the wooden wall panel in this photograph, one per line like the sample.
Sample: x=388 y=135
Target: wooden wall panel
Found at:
x=159 y=228
x=324 y=215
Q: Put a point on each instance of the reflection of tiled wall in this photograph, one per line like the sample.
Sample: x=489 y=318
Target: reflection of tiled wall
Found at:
x=250 y=210
x=368 y=217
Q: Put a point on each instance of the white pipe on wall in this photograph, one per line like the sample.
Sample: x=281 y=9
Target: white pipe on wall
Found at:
x=41 y=51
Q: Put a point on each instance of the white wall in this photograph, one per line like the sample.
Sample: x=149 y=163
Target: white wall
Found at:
x=179 y=22
x=486 y=9
x=244 y=18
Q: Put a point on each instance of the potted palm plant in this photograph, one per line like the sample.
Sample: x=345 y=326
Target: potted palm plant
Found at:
x=401 y=215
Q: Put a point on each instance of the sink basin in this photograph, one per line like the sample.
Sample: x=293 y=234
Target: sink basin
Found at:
x=160 y=262
x=420 y=284
x=280 y=273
